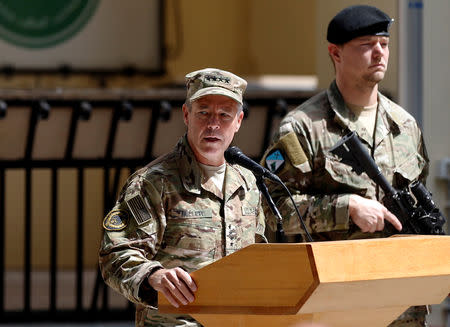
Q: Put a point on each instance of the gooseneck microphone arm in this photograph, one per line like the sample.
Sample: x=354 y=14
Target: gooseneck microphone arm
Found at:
x=265 y=192
x=235 y=156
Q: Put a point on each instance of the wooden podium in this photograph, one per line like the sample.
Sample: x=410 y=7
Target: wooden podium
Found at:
x=338 y=284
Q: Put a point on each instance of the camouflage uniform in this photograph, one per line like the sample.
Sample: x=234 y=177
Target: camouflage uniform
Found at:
x=167 y=216
x=320 y=184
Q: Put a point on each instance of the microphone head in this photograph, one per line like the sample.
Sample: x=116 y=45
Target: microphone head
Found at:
x=232 y=153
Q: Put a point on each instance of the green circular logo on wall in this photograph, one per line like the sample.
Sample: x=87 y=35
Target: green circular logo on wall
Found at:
x=43 y=23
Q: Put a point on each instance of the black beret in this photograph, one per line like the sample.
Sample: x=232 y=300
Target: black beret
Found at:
x=355 y=21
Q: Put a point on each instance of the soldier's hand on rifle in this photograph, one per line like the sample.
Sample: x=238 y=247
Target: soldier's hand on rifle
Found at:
x=369 y=215
x=176 y=285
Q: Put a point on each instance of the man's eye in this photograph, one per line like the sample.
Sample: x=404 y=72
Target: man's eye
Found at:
x=226 y=115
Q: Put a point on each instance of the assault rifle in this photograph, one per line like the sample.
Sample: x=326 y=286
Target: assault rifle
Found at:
x=417 y=212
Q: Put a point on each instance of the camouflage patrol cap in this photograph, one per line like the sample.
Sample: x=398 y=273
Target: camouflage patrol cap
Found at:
x=355 y=21
x=214 y=81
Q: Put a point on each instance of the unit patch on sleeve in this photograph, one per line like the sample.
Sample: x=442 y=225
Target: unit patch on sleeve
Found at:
x=116 y=220
x=275 y=160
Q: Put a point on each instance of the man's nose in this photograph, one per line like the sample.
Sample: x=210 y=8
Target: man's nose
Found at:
x=378 y=50
x=213 y=122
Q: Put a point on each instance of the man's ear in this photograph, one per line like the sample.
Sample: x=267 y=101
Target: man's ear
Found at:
x=185 y=114
x=239 y=121
x=335 y=52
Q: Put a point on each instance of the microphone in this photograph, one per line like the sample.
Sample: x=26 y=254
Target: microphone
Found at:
x=235 y=156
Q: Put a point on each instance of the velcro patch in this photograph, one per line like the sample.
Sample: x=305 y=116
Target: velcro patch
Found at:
x=116 y=220
x=217 y=78
x=260 y=229
x=139 y=209
x=275 y=160
x=249 y=211
x=194 y=213
x=293 y=149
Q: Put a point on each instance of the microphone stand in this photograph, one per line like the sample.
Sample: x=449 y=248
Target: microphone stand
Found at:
x=265 y=192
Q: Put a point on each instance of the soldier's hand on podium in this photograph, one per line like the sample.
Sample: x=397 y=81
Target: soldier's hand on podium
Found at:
x=176 y=284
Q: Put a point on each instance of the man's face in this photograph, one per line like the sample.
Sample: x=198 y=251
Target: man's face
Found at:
x=211 y=122
x=364 y=59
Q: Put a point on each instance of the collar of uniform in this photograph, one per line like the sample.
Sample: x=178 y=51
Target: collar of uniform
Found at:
x=342 y=113
x=337 y=104
x=244 y=175
x=385 y=110
x=235 y=177
x=190 y=172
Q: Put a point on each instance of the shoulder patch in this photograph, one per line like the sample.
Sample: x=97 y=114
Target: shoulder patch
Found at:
x=139 y=209
x=116 y=220
x=275 y=160
x=293 y=149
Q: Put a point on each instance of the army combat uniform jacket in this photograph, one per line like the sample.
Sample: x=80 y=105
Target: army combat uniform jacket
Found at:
x=321 y=184
x=168 y=216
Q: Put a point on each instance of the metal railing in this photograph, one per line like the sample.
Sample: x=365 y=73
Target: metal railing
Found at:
x=82 y=104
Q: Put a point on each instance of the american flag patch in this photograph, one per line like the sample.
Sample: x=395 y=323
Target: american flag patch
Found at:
x=139 y=209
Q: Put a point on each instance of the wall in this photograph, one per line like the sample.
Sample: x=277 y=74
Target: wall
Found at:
x=247 y=37
x=436 y=112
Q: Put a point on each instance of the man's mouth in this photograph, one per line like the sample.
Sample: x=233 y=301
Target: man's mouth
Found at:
x=379 y=65
x=211 y=139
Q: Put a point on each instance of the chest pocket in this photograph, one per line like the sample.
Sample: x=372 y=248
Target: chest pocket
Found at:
x=190 y=229
x=409 y=170
x=240 y=230
x=341 y=177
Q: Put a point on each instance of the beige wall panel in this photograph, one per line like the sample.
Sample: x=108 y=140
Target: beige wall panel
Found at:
x=51 y=134
x=123 y=176
x=325 y=12
x=14 y=218
x=14 y=133
x=132 y=135
x=67 y=218
x=168 y=133
x=92 y=135
x=93 y=216
x=214 y=35
x=436 y=112
x=247 y=37
x=281 y=37
x=40 y=218
x=251 y=134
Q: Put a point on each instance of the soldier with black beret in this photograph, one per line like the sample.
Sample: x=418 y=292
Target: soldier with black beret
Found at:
x=337 y=203
x=355 y=21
